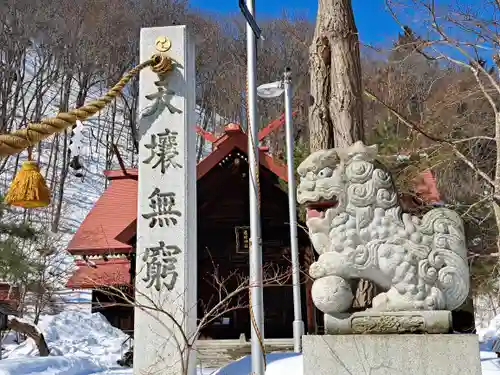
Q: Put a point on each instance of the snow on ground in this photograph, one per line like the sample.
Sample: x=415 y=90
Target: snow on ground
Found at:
x=68 y=365
x=291 y=364
x=82 y=343
x=129 y=371
x=277 y=364
x=490 y=364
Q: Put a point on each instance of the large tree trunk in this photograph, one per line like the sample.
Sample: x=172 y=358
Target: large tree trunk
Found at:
x=336 y=111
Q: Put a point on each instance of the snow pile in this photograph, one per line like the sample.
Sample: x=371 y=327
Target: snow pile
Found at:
x=491 y=331
x=486 y=307
x=79 y=300
x=78 y=334
x=80 y=343
x=290 y=365
x=489 y=334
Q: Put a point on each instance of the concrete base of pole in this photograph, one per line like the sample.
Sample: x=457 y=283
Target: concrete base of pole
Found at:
x=298 y=332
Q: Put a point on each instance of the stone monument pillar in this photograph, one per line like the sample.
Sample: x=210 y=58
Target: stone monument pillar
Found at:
x=165 y=282
x=419 y=265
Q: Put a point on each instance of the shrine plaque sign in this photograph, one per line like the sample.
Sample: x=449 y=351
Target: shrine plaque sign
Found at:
x=242 y=237
x=166 y=258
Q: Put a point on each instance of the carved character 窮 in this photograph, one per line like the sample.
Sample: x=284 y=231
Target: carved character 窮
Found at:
x=160 y=266
x=360 y=232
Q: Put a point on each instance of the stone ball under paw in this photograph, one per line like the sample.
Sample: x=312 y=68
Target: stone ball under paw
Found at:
x=332 y=294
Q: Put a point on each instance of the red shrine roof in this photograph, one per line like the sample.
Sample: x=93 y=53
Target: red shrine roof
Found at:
x=112 y=272
x=426 y=186
x=111 y=223
x=107 y=222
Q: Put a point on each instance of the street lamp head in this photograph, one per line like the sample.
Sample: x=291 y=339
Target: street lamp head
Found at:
x=270 y=90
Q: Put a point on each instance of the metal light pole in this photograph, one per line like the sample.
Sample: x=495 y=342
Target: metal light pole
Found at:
x=298 y=324
x=272 y=90
x=257 y=301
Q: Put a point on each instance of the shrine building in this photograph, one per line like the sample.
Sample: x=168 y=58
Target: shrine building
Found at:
x=105 y=243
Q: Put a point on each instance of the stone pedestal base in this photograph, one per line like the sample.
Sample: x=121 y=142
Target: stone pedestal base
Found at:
x=391 y=355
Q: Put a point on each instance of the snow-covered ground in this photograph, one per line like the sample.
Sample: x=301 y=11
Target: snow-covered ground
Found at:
x=82 y=343
x=490 y=364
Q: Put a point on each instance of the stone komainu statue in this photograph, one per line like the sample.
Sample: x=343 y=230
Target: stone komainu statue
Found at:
x=360 y=232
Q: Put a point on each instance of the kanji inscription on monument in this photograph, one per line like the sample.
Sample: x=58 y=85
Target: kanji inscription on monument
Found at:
x=166 y=280
x=163 y=212
x=163 y=150
x=160 y=266
x=162 y=99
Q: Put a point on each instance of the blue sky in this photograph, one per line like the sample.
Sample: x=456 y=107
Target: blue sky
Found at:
x=375 y=25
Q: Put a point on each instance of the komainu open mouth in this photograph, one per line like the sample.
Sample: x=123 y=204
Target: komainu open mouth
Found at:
x=318 y=209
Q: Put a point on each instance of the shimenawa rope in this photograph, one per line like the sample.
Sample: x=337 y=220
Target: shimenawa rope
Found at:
x=19 y=140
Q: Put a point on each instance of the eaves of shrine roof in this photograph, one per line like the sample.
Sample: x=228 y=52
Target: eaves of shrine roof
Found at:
x=111 y=223
x=112 y=272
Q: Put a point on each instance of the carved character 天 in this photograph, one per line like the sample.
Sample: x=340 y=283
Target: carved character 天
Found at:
x=161 y=98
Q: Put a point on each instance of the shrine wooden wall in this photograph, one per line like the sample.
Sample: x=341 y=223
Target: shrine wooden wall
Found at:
x=223 y=206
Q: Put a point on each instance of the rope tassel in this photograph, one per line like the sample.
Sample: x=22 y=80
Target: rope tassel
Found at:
x=28 y=190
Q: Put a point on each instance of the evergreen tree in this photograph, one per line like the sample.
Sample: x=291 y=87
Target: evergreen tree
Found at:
x=14 y=263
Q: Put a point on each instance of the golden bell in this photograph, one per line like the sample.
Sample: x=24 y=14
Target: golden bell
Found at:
x=28 y=190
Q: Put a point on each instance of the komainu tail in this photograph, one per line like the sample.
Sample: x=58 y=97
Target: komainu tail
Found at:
x=448 y=254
